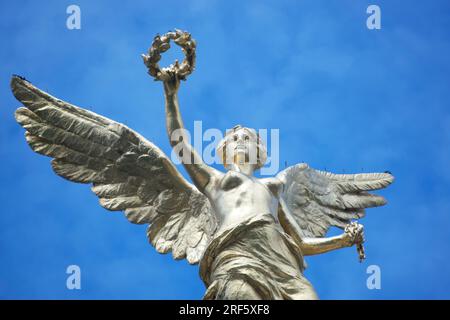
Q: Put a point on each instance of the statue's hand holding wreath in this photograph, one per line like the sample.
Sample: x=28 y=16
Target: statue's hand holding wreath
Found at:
x=172 y=74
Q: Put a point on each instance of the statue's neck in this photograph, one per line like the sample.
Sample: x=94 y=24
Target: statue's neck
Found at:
x=245 y=168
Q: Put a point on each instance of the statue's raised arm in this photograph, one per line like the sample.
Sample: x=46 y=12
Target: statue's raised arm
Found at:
x=200 y=173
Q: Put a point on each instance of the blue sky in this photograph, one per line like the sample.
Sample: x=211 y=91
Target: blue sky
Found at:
x=345 y=98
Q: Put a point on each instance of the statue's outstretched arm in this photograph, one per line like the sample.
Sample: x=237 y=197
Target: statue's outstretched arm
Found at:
x=312 y=246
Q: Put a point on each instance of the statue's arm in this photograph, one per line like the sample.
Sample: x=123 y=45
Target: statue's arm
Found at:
x=312 y=246
x=353 y=235
x=200 y=173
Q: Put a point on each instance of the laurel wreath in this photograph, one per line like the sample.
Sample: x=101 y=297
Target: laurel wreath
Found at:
x=160 y=45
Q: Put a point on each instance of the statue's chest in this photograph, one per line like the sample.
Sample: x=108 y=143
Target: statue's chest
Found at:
x=233 y=180
x=236 y=182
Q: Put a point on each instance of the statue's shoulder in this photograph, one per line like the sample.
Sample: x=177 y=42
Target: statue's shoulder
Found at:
x=274 y=184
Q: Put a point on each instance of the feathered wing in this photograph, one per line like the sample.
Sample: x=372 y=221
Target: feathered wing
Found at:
x=319 y=199
x=127 y=172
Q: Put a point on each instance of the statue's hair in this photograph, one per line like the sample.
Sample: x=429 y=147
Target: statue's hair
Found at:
x=261 y=150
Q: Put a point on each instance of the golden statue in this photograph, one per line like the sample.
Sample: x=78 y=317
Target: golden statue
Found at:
x=249 y=235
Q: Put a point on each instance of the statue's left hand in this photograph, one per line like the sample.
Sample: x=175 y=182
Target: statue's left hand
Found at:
x=353 y=234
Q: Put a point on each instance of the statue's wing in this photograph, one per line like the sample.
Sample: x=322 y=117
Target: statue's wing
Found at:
x=319 y=199
x=127 y=172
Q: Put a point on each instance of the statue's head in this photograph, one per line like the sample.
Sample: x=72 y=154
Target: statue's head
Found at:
x=242 y=145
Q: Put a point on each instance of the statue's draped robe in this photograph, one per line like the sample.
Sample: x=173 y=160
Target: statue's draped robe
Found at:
x=254 y=259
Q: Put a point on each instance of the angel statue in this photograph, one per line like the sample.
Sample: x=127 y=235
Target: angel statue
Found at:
x=249 y=235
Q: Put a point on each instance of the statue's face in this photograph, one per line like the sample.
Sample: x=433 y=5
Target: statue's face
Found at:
x=242 y=146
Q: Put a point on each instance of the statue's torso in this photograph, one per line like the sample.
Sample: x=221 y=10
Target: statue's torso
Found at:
x=237 y=197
